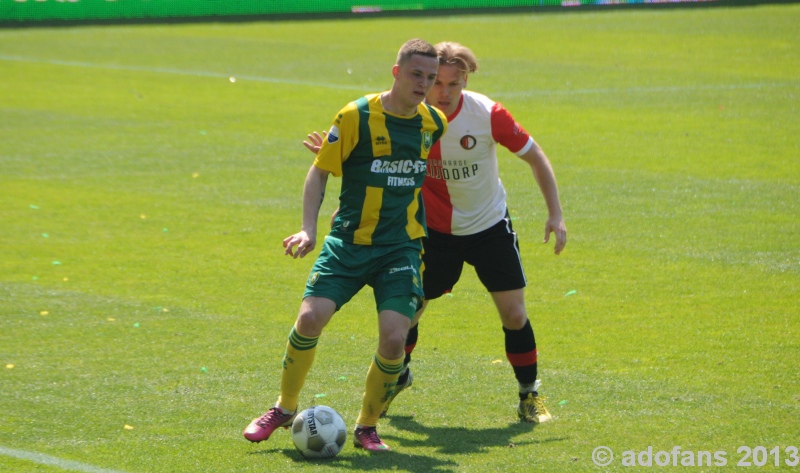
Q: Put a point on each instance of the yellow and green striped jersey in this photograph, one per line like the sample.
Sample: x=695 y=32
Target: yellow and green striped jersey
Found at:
x=381 y=158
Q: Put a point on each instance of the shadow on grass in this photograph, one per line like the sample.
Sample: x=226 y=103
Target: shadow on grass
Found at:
x=361 y=461
x=446 y=440
x=461 y=440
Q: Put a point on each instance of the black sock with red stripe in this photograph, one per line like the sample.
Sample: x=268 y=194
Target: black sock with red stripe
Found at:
x=522 y=354
x=411 y=342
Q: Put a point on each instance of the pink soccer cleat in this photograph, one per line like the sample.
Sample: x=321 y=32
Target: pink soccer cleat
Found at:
x=262 y=427
x=367 y=438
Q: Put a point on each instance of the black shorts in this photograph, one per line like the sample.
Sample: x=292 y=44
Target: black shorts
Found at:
x=493 y=252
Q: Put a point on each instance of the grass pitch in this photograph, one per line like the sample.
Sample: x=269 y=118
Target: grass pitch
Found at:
x=149 y=173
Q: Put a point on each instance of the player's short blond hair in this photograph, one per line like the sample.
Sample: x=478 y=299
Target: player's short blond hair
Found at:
x=415 y=46
x=458 y=55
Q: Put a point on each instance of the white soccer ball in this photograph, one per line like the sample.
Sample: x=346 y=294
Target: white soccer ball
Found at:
x=319 y=432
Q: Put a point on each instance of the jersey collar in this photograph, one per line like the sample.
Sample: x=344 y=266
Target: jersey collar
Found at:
x=458 y=109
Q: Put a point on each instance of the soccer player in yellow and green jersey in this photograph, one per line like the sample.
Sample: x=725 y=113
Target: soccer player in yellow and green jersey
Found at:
x=379 y=146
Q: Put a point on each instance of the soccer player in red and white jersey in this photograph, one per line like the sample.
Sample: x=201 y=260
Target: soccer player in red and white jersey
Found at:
x=468 y=219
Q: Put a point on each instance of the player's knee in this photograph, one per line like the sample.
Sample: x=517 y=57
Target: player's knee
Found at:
x=393 y=343
x=313 y=317
x=514 y=319
x=308 y=325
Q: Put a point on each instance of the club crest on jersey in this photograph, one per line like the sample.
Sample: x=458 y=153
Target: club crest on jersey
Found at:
x=333 y=134
x=427 y=140
x=468 y=142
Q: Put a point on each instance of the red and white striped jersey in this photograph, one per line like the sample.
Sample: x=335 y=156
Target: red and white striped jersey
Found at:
x=462 y=190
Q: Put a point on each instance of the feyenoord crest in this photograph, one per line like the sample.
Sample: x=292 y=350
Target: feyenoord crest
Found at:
x=468 y=141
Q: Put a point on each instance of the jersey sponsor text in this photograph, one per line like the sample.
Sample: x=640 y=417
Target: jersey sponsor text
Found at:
x=437 y=170
x=401 y=181
x=404 y=166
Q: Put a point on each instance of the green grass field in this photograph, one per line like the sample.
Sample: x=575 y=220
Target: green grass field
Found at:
x=145 y=299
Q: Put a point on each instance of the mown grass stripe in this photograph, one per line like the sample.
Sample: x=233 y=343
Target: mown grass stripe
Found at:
x=170 y=70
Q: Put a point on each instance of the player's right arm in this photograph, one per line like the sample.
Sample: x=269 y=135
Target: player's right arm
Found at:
x=313 y=192
x=333 y=147
x=313 y=144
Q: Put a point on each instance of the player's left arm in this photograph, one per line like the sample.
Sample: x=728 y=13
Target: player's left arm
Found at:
x=314 y=142
x=546 y=179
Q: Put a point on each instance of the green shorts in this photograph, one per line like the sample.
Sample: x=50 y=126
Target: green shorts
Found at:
x=393 y=271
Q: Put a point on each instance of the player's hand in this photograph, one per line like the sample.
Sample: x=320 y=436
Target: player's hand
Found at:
x=315 y=140
x=304 y=243
x=556 y=225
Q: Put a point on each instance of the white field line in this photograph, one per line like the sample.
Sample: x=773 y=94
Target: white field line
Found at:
x=43 y=459
x=274 y=80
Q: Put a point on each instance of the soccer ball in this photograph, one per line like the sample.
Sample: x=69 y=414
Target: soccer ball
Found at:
x=319 y=432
